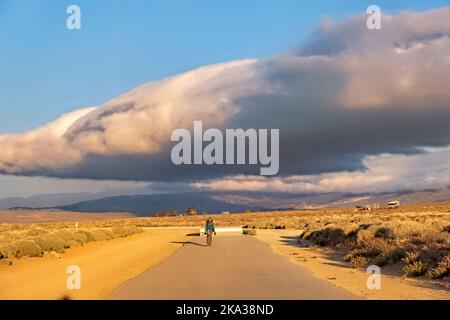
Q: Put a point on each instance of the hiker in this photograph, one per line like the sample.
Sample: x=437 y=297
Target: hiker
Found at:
x=209 y=230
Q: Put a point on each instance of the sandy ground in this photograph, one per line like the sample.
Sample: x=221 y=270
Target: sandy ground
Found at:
x=104 y=266
x=328 y=266
x=235 y=268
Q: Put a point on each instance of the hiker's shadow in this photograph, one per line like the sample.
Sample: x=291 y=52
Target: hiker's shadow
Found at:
x=189 y=242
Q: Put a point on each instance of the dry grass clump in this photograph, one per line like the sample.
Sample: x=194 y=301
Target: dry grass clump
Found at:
x=413 y=266
x=431 y=259
x=421 y=246
x=34 y=241
x=326 y=237
x=384 y=233
x=21 y=248
x=359 y=262
x=376 y=251
x=442 y=269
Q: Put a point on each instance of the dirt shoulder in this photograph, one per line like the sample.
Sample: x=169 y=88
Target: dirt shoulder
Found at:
x=326 y=265
x=104 y=266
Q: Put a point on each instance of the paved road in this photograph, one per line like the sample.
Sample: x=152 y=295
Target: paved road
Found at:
x=235 y=267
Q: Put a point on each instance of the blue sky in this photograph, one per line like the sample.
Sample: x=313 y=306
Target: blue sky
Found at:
x=46 y=70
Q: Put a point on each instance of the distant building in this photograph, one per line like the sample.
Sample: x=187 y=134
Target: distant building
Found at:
x=192 y=211
x=226 y=212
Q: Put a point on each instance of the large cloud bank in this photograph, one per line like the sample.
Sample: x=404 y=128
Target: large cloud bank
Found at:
x=386 y=173
x=349 y=93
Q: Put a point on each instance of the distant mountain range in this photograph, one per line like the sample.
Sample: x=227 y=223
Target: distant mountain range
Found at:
x=148 y=205
x=47 y=200
x=216 y=202
x=61 y=199
x=405 y=197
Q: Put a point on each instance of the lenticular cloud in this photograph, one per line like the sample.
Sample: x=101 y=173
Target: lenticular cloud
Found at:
x=346 y=94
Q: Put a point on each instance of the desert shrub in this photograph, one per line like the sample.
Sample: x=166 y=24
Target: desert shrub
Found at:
x=67 y=237
x=35 y=241
x=3 y=254
x=347 y=245
x=327 y=237
x=388 y=256
x=56 y=242
x=80 y=236
x=380 y=260
x=18 y=243
x=7 y=251
x=377 y=251
x=64 y=235
x=396 y=254
x=413 y=265
x=359 y=262
x=9 y=237
x=51 y=242
x=121 y=231
x=415 y=269
x=97 y=235
x=125 y=231
x=442 y=269
x=109 y=233
x=366 y=252
x=410 y=257
x=364 y=236
x=43 y=242
x=353 y=234
x=446 y=229
x=26 y=248
x=435 y=252
x=384 y=233
x=35 y=232
x=249 y=232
